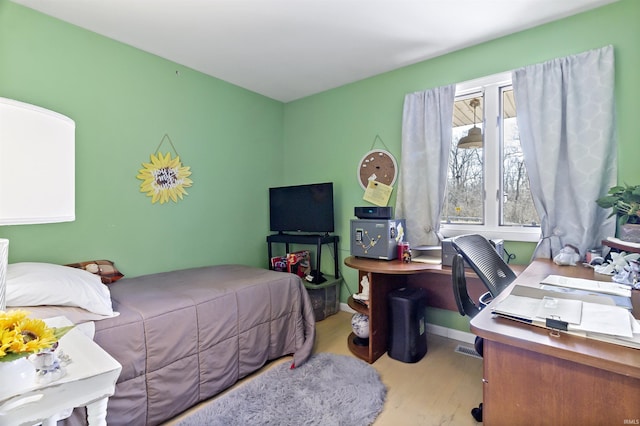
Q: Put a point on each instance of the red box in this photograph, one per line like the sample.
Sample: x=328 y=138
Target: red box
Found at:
x=299 y=263
x=279 y=263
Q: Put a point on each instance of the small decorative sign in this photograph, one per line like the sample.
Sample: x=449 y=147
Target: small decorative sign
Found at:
x=164 y=178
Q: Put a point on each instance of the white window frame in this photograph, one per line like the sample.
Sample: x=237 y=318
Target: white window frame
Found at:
x=491 y=228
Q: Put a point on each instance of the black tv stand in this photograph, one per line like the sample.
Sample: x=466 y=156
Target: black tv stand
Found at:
x=311 y=239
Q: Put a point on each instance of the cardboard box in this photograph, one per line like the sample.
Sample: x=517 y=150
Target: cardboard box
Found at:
x=279 y=263
x=299 y=263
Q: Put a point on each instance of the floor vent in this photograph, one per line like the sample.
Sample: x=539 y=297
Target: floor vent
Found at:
x=465 y=350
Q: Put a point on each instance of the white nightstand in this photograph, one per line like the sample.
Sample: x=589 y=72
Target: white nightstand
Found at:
x=90 y=381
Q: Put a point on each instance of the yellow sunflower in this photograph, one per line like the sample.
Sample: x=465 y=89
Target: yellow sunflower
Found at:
x=21 y=336
x=164 y=178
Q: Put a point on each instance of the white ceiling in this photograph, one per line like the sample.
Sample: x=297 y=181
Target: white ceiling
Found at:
x=289 y=49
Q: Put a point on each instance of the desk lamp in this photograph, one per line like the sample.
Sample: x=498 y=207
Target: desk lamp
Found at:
x=37 y=171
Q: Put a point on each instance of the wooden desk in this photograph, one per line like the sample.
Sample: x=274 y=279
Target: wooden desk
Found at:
x=531 y=377
x=385 y=276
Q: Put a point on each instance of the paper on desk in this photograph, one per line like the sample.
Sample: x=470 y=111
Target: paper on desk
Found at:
x=602 y=319
x=534 y=310
x=434 y=249
x=518 y=308
x=567 y=310
x=539 y=293
x=624 y=302
x=425 y=258
x=597 y=316
x=427 y=254
x=590 y=285
x=631 y=342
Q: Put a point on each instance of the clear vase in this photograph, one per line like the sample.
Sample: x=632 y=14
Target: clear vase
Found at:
x=16 y=376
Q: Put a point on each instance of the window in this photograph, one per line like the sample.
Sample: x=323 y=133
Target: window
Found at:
x=487 y=183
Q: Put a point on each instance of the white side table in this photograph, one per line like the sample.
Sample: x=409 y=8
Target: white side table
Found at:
x=90 y=381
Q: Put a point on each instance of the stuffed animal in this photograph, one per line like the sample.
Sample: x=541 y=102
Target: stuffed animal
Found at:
x=569 y=255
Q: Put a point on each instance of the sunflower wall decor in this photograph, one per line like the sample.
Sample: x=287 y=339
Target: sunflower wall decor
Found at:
x=164 y=178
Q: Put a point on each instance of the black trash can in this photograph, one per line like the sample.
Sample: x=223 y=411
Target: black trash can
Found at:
x=407 y=327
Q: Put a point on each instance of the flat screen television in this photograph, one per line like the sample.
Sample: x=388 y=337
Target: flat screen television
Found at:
x=302 y=208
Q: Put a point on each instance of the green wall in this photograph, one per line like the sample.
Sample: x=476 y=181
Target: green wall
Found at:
x=123 y=102
x=239 y=143
x=337 y=127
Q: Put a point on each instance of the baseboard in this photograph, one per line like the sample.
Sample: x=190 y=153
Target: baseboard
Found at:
x=451 y=333
x=438 y=330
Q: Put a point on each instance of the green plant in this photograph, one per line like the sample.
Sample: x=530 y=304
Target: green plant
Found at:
x=624 y=201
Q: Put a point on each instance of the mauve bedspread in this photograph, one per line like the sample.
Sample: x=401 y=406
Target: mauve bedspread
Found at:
x=185 y=336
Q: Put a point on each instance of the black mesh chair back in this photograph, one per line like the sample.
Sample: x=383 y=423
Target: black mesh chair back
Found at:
x=466 y=306
x=485 y=261
x=492 y=270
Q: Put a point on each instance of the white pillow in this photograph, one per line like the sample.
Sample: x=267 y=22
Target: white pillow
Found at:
x=72 y=313
x=36 y=284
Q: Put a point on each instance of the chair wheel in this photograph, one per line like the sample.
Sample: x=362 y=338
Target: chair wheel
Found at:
x=477 y=413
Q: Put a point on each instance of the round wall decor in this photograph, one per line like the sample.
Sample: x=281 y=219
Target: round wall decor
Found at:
x=378 y=165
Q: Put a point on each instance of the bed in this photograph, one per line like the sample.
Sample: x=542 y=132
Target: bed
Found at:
x=184 y=336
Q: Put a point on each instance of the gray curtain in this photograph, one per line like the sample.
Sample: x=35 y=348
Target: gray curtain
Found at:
x=426 y=143
x=566 y=118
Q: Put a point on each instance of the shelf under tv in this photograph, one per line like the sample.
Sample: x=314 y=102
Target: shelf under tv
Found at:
x=317 y=240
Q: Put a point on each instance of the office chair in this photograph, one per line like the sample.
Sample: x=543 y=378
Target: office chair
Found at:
x=492 y=270
x=485 y=261
x=466 y=305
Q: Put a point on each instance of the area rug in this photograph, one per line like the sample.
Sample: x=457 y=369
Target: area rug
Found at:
x=328 y=389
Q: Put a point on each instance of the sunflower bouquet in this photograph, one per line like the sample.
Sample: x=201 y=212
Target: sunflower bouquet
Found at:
x=21 y=336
